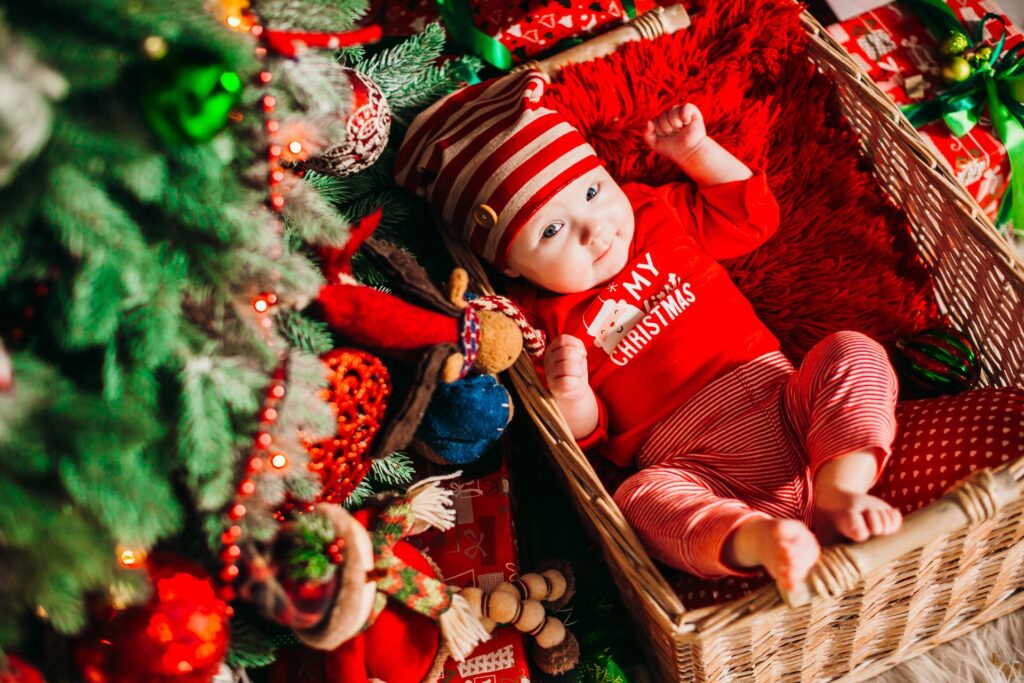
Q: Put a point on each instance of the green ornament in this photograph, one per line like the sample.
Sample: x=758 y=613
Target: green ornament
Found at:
x=189 y=102
x=937 y=361
x=956 y=69
x=954 y=43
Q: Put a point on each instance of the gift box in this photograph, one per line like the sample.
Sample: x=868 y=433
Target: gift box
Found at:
x=480 y=550
x=893 y=46
x=523 y=29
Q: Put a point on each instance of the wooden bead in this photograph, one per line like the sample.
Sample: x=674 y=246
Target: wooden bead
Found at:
x=501 y=606
x=531 y=618
x=489 y=624
x=558 y=584
x=474 y=596
x=552 y=634
x=506 y=587
x=536 y=585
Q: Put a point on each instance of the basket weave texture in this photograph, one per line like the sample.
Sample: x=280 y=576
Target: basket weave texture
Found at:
x=860 y=623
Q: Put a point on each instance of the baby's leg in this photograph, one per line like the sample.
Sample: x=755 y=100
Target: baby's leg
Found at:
x=689 y=521
x=841 y=402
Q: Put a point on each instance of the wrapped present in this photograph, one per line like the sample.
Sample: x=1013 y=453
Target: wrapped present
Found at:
x=480 y=550
x=893 y=45
x=505 y=33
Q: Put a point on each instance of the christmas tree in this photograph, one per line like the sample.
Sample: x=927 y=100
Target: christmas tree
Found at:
x=169 y=169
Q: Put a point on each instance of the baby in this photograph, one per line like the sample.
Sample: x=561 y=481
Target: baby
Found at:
x=739 y=454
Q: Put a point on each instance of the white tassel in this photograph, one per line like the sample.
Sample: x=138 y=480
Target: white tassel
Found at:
x=432 y=504
x=461 y=628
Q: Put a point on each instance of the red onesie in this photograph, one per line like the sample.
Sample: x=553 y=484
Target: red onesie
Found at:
x=672 y=325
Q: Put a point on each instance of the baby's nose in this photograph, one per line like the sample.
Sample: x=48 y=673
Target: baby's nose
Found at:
x=596 y=232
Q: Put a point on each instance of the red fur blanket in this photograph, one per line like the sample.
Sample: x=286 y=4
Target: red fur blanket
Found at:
x=842 y=258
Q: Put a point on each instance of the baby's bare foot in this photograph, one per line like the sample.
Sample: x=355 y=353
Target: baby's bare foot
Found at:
x=842 y=514
x=784 y=547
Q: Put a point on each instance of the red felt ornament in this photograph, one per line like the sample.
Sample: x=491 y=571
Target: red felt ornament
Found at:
x=17 y=670
x=179 y=636
x=359 y=387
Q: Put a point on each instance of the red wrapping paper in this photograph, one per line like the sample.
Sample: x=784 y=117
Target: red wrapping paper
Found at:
x=480 y=550
x=526 y=28
x=891 y=45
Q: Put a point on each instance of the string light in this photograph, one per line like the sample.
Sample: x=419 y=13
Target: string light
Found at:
x=131 y=558
x=279 y=460
x=295 y=147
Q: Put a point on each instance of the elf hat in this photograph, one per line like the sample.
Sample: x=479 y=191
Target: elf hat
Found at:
x=488 y=156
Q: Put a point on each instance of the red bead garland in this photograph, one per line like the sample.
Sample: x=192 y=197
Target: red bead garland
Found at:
x=268 y=414
x=359 y=387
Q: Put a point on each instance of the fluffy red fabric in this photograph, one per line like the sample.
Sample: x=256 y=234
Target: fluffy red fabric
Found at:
x=842 y=258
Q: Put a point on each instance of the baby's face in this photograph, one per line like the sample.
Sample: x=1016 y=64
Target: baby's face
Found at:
x=579 y=239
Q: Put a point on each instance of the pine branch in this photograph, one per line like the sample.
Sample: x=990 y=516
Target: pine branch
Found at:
x=311 y=15
x=392 y=471
x=311 y=336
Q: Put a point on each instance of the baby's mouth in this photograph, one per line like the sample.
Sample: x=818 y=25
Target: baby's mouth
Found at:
x=605 y=252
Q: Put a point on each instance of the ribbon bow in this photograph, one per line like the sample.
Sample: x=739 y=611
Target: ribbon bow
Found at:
x=997 y=83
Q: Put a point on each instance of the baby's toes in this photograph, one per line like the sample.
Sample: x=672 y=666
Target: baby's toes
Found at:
x=853 y=525
x=798 y=550
x=876 y=521
x=893 y=521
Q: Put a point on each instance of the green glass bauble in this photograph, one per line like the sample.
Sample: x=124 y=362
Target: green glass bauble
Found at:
x=189 y=102
x=937 y=361
x=956 y=69
x=954 y=43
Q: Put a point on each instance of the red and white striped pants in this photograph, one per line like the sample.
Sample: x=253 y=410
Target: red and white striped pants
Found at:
x=750 y=443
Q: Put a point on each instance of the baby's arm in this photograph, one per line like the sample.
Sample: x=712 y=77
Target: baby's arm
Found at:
x=565 y=367
x=679 y=134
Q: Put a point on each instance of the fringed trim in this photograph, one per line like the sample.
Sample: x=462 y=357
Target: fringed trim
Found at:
x=461 y=628
x=432 y=504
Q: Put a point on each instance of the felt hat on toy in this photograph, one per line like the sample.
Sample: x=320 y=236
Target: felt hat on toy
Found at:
x=488 y=156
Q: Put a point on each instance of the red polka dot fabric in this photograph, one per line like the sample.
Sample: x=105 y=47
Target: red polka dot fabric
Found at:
x=939 y=441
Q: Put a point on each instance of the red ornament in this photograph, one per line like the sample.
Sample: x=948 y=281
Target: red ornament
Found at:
x=19 y=671
x=359 y=387
x=179 y=636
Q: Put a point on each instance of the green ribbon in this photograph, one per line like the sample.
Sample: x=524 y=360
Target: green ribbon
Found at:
x=998 y=84
x=458 y=19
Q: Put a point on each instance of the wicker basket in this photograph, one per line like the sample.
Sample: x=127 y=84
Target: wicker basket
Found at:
x=954 y=565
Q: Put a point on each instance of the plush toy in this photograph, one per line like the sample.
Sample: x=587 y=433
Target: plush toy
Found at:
x=446 y=436
x=524 y=604
x=447 y=336
x=390 y=595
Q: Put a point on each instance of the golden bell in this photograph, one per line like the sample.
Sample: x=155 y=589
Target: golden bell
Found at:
x=485 y=216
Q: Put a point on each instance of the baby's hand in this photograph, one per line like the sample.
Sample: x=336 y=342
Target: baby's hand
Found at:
x=565 y=366
x=676 y=133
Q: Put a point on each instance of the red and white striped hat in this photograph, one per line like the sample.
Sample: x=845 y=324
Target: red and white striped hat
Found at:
x=488 y=156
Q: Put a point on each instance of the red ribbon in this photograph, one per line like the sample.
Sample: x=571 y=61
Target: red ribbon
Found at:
x=288 y=43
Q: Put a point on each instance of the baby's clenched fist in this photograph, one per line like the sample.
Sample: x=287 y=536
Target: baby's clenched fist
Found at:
x=677 y=133
x=565 y=366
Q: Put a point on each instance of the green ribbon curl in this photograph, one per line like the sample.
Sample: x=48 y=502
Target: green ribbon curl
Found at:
x=997 y=83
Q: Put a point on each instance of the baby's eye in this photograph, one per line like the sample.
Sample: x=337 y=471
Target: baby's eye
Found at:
x=551 y=230
x=593 y=190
